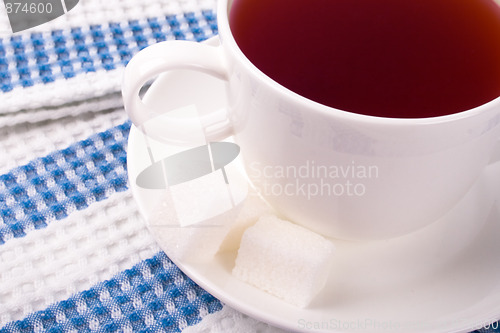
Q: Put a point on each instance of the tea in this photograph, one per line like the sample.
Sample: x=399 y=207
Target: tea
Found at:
x=388 y=58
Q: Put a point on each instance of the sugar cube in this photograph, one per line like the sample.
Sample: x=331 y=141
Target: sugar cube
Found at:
x=284 y=259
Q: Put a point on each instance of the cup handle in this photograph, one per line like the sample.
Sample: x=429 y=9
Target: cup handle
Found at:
x=163 y=57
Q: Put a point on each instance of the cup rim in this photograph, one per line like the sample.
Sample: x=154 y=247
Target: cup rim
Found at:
x=228 y=40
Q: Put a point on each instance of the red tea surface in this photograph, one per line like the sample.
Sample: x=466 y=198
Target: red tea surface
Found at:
x=388 y=58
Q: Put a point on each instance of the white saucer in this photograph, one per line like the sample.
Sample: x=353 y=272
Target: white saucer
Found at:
x=444 y=278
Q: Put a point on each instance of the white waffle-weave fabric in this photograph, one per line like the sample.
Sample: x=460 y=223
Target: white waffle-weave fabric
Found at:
x=74 y=253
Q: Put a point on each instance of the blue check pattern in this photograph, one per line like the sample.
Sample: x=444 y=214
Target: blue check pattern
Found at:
x=160 y=296
x=107 y=308
x=45 y=57
x=50 y=188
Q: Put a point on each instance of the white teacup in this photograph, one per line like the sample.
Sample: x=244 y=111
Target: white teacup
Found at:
x=341 y=174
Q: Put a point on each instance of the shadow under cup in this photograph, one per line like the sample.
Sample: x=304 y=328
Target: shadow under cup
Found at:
x=348 y=175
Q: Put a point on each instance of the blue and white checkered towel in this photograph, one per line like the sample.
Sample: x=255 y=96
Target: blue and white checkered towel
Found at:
x=74 y=252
